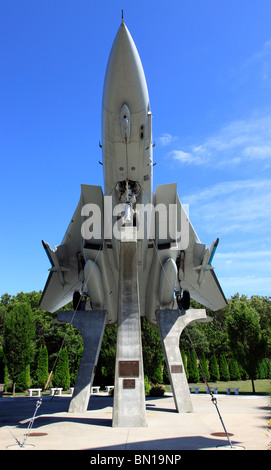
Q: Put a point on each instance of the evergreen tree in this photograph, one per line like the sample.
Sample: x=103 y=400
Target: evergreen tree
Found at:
x=214 y=369
x=192 y=367
x=105 y=371
x=76 y=367
x=41 y=374
x=18 y=344
x=3 y=369
x=184 y=358
x=23 y=378
x=153 y=355
x=188 y=360
x=203 y=369
x=61 y=376
x=263 y=369
x=166 y=379
x=157 y=376
x=243 y=375
x=234 y=370
x=223 y=368
x=268 y=368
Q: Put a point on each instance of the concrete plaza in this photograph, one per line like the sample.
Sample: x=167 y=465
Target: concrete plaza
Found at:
x=245 y=418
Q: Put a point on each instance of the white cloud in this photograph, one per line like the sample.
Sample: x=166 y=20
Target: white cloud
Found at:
x=245 y=255
x=167 y=139
x=258 y=66
x=233 y=207
x=258 y=152
x=238 y=142
x=184 y=157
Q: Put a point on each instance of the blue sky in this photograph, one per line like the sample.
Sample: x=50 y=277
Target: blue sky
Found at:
x=208 y=70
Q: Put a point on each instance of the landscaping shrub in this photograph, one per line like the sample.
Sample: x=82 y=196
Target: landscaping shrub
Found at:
x=157 y=391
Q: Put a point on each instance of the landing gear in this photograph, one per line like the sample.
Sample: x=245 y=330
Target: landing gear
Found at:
x=184 y=300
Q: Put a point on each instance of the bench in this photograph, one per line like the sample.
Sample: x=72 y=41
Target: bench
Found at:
x=53 y=391
x=214 y=389
x=194 y=388
x=109 y=387
x=236 y=390
x=93 y=390
x=31 y=390
x=2 y=387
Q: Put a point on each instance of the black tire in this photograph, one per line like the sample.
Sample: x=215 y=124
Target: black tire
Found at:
x=186 y=300
x=76 y=300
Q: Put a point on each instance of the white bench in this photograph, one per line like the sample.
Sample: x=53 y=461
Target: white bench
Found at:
x=236 y=390
x=194 y=388
x=109 y=387
x=95 y=389
x=214 y=389
x=31 y=390
x=71 y=390
x=53 y=391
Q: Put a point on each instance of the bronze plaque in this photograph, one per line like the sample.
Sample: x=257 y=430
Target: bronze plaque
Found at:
x=129 y=368
x=128 y=383
x=176 y=368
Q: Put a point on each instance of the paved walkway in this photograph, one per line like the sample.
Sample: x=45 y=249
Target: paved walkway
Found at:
x=245 y=417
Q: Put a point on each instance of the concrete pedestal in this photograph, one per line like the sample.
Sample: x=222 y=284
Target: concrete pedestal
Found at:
x=129 y=390
x=91 y=324
x=171 y=323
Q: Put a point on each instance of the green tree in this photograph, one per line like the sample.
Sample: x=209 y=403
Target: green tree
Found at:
x=76 y=367
x=184 y=358
x=263 y=369
x=214 y=369
x=203 y=369
x=246 y=339
x=18 y=343
x=195 y=336
x=268 y=366
x=262 y=305
x=3 y=369
x=61 y=377
x=152 y=351
x=223 y=368
x=41 y=374
x=192 y=367
x=105 y=371
x=234 y=370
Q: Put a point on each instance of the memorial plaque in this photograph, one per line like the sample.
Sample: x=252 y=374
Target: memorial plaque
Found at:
x=128 y=368
x=128 y=383
x=176 y=368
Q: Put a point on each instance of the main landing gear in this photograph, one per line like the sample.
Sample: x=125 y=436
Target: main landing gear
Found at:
x=79 y=301
x=183 y=301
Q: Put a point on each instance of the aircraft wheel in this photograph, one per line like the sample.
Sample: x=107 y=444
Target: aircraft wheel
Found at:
x=186 y=300
x=76 y=300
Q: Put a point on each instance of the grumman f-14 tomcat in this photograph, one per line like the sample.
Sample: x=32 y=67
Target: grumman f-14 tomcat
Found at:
x=172 y=263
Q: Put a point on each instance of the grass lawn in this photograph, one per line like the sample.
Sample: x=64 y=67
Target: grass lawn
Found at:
x=262 y=387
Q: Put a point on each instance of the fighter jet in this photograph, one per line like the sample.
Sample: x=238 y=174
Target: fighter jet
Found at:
x=172 y=264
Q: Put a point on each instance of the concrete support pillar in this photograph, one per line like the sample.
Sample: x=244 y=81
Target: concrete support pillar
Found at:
x=129 y=389
x=171 y=323
x=91 y=324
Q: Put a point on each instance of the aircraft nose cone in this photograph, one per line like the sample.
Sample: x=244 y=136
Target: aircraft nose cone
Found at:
x=124 y=79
